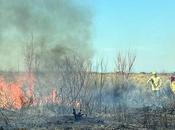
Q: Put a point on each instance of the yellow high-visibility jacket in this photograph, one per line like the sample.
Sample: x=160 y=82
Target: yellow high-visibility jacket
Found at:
x=156 y=82
x=173 y=86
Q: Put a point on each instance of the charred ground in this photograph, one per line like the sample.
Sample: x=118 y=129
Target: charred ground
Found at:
x=123 y=105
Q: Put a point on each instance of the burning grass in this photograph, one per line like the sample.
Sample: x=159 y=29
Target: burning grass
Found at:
x=119 y=105
x=14 y=94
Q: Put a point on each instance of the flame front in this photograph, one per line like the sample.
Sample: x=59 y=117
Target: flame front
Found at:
x=12 y=95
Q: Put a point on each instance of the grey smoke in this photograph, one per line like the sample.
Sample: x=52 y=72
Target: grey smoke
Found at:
x=52 y=22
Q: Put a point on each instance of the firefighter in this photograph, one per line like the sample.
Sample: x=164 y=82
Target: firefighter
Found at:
x=172 y=84
x=155 y=82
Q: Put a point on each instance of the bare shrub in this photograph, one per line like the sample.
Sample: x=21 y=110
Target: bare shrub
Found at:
x=100 y=79
x=125 y=64
x=121 y=83
x=72 y=77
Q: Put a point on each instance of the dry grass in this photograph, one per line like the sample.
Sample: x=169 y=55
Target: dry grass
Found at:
x=112 y=118
x=141 y=79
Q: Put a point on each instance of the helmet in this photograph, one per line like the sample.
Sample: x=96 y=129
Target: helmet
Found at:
x=154 y=73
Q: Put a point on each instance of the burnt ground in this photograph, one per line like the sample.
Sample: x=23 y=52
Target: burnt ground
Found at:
x=146 y=118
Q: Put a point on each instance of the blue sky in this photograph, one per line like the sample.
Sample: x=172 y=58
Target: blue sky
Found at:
x=145 y=26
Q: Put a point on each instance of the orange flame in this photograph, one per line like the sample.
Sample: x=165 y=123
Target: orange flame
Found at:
x=12 y=95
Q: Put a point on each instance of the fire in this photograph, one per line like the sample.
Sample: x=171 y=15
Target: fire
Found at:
x=77 y=104
x=50 y=99
x=12 y=95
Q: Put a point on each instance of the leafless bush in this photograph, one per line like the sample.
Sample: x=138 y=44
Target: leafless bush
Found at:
x=30 y=56
x=121 y=83
x=100 y=79
x=72 y=76
x=125 y=64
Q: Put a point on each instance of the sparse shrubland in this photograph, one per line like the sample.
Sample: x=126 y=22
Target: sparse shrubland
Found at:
x=110 y=100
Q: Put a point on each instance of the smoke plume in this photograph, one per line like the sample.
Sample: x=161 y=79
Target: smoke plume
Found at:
x=56 y=23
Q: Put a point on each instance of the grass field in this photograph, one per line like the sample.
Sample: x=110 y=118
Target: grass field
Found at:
x=123 y=104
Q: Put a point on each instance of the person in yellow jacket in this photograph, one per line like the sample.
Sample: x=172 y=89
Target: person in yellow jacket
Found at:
x=172 y=85
x=155 y=82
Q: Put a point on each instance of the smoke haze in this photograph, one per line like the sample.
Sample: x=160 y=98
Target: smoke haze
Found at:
x=55 y=23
